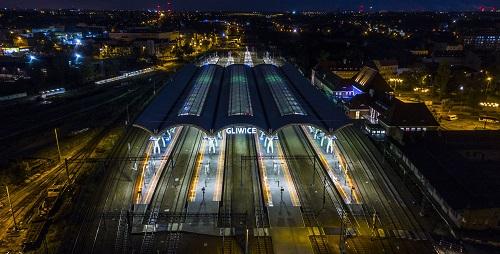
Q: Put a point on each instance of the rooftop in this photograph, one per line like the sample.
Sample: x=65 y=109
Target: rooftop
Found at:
x=370 y=79
x=212 y=97
x=409 y=114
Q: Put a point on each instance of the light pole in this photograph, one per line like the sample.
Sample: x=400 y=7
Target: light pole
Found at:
x=395 y=82
x=57 y=143
x=488 y=84
x=10 y=206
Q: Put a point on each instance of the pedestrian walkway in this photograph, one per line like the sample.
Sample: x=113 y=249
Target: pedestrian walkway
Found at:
x=291 y=240
x=332 y=159
x=278 y=186
x=205 y=190
x=157 y=155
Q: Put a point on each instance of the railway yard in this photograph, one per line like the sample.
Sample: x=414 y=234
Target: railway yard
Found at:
x=242 y=188
x=192 y=208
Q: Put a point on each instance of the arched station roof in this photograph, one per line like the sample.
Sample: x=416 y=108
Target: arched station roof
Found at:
x=213 y=97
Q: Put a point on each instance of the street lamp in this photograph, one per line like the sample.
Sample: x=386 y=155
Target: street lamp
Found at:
x=461 y=88
x=489 y=83
x=395 y=82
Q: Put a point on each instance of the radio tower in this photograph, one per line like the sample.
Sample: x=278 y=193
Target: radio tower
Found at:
x=170 y=10
x=361 y=8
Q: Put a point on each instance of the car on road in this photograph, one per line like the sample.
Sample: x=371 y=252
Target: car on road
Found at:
x=451 y=117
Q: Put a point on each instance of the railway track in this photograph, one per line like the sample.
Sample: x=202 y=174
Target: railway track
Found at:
x=242 y=194
x=171 y=195
x=302 y=181
x=115 y=168
x=261 y=242
x=27 y=199
x=89 y=220
x=379 y=195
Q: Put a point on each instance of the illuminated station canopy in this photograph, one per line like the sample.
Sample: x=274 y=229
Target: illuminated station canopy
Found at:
x=212 y=98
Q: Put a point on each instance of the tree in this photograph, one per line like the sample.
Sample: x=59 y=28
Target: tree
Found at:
x=474 y=96
x=87 y=70
x=323 y=55
x=205 y=44
x=442 y=78
x=187 y=49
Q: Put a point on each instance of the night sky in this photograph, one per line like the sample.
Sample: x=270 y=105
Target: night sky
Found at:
x=256 y=5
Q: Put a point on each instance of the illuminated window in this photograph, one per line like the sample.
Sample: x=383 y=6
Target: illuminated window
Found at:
x=283 y=97
x=193 y=105
x=239 y=100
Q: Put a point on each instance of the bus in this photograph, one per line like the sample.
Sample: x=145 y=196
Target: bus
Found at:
x=488 y=119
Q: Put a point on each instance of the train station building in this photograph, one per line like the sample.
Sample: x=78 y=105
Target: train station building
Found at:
x=213 y=98
x=240 y=114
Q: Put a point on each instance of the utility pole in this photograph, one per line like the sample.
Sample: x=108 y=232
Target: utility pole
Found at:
x=10 y=206
x=324 y=192
x=128 y=117
x=314 y=171
x=57 y=142
x=374 y=223
x=422 y=207
x=222 y=232
x=66 y=167
x=241 y=171
x=246 y=242
x=342 y=249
